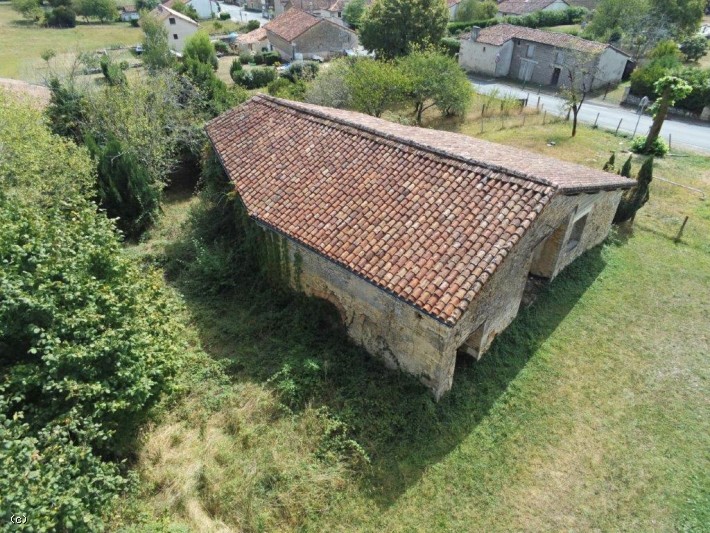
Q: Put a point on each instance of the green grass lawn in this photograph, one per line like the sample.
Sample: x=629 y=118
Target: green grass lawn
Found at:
x=589 y=413
x=21 y=43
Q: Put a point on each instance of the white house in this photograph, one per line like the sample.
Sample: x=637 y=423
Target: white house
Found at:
x=525 y=7
x=179 y=26
x=129 y=13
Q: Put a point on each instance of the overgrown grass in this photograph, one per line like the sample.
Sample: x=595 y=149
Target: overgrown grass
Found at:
x=589 y=413
x=22 y=43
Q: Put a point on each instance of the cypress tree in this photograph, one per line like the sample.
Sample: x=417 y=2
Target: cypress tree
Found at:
x=626 y=168
x=609 y=165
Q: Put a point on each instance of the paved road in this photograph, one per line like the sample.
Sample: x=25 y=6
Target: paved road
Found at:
x=241 y=15
x=692 y=136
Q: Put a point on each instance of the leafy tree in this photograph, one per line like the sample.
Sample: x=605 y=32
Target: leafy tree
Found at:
x=57 y=3
x=199 y=48
x=581 y=72
x=330 y=88
x=104 y=10
x=253 y=25
x=156 y=50
x=61 y=17
x=353 y=12
x=254 y=78
x=636 y=197
x=146 y=5
x=669 y=89
x=376 y=86
x=436 y=80
x=112 y=72
x=476 y=10
x=694 y=47
x=66 y=109
x=683 y=15
x=214 y=97
x=29 y=9
x=393 y=28
x=302 y=70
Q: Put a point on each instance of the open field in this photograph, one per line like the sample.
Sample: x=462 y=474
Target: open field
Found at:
x=589 y=413
x=21 y=44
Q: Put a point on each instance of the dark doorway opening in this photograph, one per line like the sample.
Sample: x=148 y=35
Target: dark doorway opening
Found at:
x=555 y=76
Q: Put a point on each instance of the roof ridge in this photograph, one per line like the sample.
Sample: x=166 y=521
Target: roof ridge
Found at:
x=412 y=143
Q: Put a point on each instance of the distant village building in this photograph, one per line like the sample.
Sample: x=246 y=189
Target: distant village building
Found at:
x=423 y=240
x=178 y=26
x=540 y=57
x=129 y=13
x=254 y=41
x=525 y=7
x=301 y=35
x=326 y=9
x=453 y=6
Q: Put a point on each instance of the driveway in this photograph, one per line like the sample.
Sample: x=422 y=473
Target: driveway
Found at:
x=686 y=134
x=241 y=15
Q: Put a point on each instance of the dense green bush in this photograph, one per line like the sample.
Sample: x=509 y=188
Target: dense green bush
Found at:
x=450 y=46
x=694 y=47
x=271 y=58
x=659 y=148
x=538 y=19
x=253 y=25
x=112 y=72
x=221 y=47
x=199 y=48
x=254 y=78
x=88 y=341
x=643 y=80
x=61 y=17
x=235 y=67
x=456 y=28
x=245 y=57
x=259 y=58
x=302 y=70
x=283 y=88
x=224 y=16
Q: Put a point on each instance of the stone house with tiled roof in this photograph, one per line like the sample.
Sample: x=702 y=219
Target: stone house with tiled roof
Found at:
x=254 y=41
x=525 y=7
x=423 y=240
x=302 y=35
x=540 y=57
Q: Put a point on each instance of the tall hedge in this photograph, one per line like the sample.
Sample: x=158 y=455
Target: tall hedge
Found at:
x=88 y=339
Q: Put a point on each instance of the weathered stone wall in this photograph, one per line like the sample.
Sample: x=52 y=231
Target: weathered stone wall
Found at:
x=384 y=325
x=416 y=343
x=325 y=39
x=498 y=303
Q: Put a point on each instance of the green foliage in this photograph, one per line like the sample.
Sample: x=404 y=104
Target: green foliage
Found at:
x=376 y=86
x=683 y=15
x=539 y=19
x=199 y=48
x=436 y=80
x=221 y=47
x=635 y=198
x=104 y=10
x=271 y=58
x=66 y=109
x=156 y=50
x=626 y=168
x=214 y=97
x=695 y=47
x=643 y=81
x=245 y=57
x=353 y=12
x=330 y=88
x=254 y=78
x=393 y=28
x=667 y=51
x=57 y=3
x=224 y=15
x=61 y=17
x=284 y=88
x=455 y=28
x=476 y=10
x=253 y=25
x=302 y=70
x=659 y=148
x=609 y=165
x=112 y=72
x=450 y=46
x=29 y=9
x=88 y=342
x=235 y=67
x=258 y=58
x=146 y=5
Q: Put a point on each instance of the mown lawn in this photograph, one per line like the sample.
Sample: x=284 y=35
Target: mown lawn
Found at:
x=589 y=413
x=22 y=44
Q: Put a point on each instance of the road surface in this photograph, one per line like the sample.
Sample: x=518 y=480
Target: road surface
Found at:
x=686 y=134
x=241 y=15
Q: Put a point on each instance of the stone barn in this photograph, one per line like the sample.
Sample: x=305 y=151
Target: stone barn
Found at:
x=424 y=240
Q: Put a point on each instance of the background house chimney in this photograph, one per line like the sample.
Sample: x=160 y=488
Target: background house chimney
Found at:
x=474 y=33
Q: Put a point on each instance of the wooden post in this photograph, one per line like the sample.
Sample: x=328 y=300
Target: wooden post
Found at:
x=524 y=120
x=538 y=102
x=670 y=146
x=595 y=120
x=544 y=116
x=680 y=231
x=617 y=128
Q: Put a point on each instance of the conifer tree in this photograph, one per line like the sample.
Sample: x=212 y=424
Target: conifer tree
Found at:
x=635 y=198
x=626 y=168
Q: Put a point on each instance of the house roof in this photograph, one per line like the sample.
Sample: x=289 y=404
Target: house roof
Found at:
x=129 y=9
x=425 y=215
x=162 y=12
x=501 y=33
x=523 y=7
x=292 y=23
x=254 y=36
x=452 y=3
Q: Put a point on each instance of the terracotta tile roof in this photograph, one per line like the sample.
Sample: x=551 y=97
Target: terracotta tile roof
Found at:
x=292 y=23
x=501 y=33
x=523 y=7
x=255 y=36
x=413 y=211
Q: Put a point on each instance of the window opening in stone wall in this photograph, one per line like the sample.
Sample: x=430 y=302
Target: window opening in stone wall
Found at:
x=576 y=233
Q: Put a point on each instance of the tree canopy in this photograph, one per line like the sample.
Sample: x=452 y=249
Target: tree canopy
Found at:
x=393 y=28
